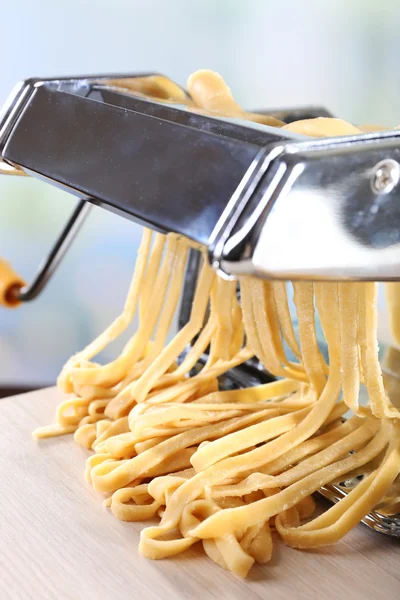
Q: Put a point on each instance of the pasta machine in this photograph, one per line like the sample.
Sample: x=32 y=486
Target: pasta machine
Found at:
x=238 y=188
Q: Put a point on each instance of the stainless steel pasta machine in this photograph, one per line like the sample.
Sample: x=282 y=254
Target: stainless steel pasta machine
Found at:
x=264 y=201
x=239 y=188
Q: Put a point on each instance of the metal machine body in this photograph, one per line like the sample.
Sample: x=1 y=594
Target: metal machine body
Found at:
x=245 y=186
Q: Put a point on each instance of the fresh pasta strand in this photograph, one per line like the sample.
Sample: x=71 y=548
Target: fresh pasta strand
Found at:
x=393 y=300
x=120 y=324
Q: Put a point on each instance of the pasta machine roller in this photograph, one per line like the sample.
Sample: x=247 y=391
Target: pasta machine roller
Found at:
x=239 y=188
x=264 y=201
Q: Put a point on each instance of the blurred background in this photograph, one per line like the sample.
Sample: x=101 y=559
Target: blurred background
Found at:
x=338 y=54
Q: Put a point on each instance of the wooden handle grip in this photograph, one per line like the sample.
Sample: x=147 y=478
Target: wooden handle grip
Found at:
x=10 y=283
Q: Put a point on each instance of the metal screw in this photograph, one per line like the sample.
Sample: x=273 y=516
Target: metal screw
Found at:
x=385 y=176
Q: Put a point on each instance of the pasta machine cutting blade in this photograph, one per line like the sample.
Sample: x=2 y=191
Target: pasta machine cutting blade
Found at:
x=239 y=188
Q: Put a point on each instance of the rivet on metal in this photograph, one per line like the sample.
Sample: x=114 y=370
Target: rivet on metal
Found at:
x=385 y=176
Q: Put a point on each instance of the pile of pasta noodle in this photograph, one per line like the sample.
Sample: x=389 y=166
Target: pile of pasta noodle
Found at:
x=228 y=468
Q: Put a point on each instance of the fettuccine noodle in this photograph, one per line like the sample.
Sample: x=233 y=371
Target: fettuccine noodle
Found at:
x=227 y=468
x=393 y=300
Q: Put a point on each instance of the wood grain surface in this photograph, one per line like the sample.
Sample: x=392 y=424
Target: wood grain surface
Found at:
x=57 y=541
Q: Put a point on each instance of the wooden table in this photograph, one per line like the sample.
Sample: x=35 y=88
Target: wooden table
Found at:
x=58 y=542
